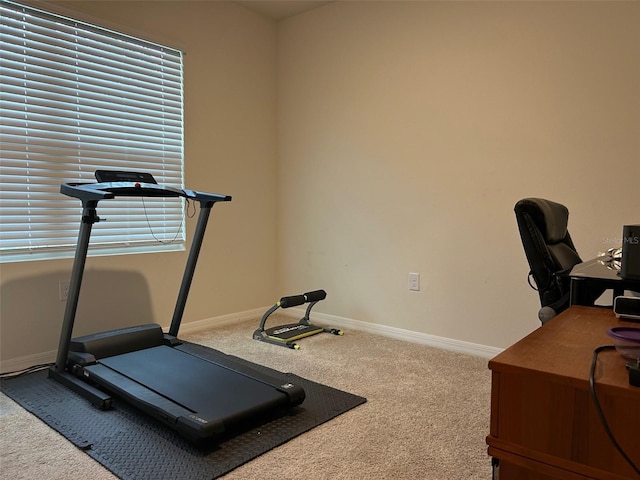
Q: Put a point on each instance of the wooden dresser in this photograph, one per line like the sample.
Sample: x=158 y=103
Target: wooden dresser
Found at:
x=544 y=424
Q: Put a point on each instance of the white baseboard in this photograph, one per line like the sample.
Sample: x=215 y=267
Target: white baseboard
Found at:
x=221 y=321
x=398 y=333
x=20 y=363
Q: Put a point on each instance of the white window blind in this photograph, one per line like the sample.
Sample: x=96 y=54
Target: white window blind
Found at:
x=75 y=98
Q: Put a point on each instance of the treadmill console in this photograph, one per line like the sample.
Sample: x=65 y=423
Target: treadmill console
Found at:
x=107 y=176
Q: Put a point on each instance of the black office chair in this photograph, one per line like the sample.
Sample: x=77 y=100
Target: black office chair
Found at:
x=549 y=251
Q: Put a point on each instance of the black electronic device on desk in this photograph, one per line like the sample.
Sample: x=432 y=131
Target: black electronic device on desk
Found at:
x=200 y=396
x=627 y=308
x=286 y=335
x=630 y=262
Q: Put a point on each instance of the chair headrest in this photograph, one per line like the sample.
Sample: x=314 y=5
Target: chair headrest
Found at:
x=552 y=218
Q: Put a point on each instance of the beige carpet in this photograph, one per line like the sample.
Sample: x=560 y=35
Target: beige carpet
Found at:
x=427 y=414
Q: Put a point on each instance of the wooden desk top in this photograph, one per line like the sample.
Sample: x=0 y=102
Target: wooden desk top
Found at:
x=562 y=350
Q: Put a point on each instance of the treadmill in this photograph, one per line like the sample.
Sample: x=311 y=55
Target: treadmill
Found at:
x=203 y=394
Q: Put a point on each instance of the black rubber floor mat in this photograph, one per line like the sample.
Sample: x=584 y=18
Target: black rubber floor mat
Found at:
x=134 y=446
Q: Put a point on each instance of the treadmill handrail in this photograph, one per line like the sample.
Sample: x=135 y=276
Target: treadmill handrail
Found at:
x=108 y=190
x=90 y=194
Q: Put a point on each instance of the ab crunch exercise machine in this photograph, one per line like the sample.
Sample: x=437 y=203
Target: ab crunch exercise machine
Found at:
x=286 y=335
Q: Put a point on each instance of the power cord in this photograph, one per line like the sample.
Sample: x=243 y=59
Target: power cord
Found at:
x=189 y=205
x=24 y=371
x=596 y=402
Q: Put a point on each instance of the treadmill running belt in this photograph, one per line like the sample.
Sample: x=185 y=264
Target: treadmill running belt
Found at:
x=200 y=386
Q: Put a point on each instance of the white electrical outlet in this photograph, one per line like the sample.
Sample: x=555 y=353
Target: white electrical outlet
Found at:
x=414 y=282
x=63 y=290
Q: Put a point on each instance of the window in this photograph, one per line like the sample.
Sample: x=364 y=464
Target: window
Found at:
x=75 y=98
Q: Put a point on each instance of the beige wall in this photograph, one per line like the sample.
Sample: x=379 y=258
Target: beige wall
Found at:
x=229 y=148
x=400 y=137
x=408 y=130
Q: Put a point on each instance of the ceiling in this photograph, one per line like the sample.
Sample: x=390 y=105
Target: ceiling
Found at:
x=280 y=9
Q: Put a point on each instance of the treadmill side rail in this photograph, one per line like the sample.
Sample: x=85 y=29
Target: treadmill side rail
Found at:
x=97 y=397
